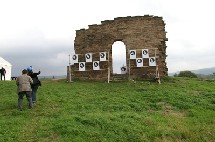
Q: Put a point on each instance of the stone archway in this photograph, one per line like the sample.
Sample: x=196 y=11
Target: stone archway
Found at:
x=137 y=33
x=118 y=57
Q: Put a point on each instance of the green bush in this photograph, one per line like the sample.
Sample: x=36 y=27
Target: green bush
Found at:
x=187 y=74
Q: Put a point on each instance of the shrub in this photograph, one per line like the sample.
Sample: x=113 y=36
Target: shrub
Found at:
x=187 y=74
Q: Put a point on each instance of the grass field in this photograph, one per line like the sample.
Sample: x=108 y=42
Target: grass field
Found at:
x=179 y=109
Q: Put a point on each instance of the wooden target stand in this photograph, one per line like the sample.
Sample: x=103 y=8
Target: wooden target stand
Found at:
x=157 y=77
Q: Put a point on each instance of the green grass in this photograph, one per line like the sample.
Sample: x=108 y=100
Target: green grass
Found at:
x=179 y=109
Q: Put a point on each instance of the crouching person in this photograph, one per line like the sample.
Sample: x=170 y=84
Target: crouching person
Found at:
x=24 y=88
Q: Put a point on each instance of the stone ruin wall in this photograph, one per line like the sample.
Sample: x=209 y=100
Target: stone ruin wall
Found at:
x=137 y=32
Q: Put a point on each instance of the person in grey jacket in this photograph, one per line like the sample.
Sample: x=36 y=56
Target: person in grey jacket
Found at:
x=24 y=88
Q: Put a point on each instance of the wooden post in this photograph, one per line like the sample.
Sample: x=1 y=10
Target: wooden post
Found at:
x=156 y=66
x=108 y=68
x=129 y=65
x=157 y=78
x=69 y=69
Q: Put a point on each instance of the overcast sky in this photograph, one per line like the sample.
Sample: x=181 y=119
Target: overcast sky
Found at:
x=41 y=33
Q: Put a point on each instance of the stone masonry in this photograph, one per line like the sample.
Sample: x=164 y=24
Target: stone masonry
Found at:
x=139 y=32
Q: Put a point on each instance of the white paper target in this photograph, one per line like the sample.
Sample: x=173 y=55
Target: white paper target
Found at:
x=145 y=53
x=103 y=56
x=132 y=54
x=139 y=62
x=81 y=66
x=88 y=57
x=152 y=61
x=96 y=65
x=75 y=58
x=123 y=70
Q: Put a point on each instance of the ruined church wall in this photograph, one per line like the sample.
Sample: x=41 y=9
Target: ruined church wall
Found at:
x=136 y=32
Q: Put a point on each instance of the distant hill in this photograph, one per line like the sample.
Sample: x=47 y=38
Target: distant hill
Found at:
x=204 y=71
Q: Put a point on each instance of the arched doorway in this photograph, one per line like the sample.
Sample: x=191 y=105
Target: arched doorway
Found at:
x=119 y=58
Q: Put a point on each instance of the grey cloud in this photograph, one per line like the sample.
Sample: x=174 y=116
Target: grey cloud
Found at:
x=50 y=58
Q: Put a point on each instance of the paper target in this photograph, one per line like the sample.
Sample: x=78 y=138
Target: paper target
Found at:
x=82 y=66
x=145 y=53
x=139 y=62
x=88 y=57
x=152 y=61
x=102 y=56
x=96 y=65
x=123 y=70
x=132 y=54
x=75 y=58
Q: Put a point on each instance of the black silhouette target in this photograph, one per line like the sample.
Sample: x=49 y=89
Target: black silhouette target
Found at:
x=102 y=55
x=145 y=52
x=132 y=53
x=123 y=68
x=88 y=56
x=82 y=65
x=152 y=60
x=139 y=60
x=96 y=64
x=74 y=57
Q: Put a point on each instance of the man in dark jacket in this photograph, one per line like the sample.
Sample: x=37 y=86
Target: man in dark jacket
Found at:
x=3 y=72
x=35 y=85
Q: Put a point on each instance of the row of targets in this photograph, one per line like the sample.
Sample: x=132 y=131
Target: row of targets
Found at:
x=144 y=56
x=89 y=59
x=146 y=59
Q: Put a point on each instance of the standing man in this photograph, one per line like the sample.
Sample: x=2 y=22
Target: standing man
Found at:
x=36 y=83
x=24 y=88
x=3 y=72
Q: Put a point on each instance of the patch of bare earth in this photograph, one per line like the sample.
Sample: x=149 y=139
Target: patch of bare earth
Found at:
x=168 y=109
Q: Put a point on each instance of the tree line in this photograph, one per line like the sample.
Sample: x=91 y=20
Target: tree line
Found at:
x=190 y=74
